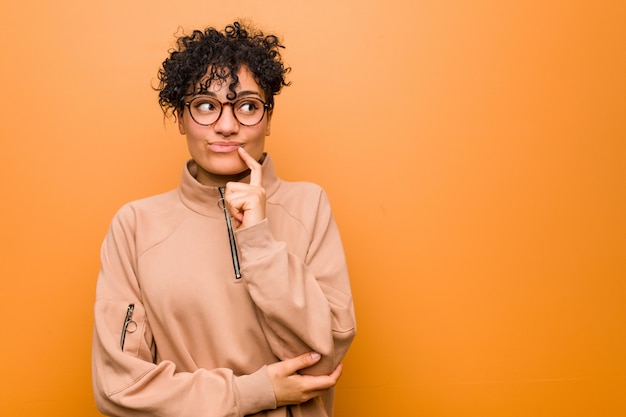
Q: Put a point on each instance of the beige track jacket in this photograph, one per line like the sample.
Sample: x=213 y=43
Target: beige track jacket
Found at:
x=177 y=335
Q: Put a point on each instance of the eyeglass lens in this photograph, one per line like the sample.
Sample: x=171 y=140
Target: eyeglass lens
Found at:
x=248 y=111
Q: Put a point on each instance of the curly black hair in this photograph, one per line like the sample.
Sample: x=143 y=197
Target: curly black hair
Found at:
x=213 y=55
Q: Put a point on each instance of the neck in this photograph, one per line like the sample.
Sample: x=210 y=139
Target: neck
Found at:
x=215 y=180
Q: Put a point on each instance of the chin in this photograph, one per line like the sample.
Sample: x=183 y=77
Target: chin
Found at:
x=226 y=168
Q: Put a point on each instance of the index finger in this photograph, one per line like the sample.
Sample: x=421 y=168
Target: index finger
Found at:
x=256 y=170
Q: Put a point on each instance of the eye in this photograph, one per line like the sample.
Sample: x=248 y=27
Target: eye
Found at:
x=248 y=106
x=205 y=105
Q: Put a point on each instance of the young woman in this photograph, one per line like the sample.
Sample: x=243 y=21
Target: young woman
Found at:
x=228 y=296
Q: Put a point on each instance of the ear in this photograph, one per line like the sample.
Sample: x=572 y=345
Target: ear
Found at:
x=181 y=123
x=268 y=125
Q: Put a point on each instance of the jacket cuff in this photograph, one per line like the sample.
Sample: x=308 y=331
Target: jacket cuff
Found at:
x=255 y=242
x=255 y=392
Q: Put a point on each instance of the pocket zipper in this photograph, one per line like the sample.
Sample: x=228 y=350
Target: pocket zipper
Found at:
x=128 y=320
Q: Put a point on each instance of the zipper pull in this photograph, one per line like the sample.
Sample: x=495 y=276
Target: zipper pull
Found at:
x=127 y=321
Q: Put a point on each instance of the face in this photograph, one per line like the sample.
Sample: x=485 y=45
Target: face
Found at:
x=214 y=147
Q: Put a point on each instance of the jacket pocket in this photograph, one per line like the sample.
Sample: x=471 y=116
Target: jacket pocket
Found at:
x=135 y=337
x=123 y=326
x=128 y=325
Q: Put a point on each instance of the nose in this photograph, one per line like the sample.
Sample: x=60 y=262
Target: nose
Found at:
x=227 y=124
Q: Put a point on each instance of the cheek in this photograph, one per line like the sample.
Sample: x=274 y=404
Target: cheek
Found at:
x=194 y=133
x=256 y=147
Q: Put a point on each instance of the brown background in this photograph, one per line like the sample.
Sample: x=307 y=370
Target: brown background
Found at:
x=474 y=153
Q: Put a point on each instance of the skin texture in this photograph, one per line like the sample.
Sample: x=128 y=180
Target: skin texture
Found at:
x=246 y=202
x=214 y=147
x=293 y=388
x=225 y=153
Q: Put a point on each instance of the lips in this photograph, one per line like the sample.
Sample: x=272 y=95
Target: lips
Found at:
x=223 y=147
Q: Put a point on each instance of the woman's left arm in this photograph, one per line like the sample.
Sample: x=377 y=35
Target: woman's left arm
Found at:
x=304 y=302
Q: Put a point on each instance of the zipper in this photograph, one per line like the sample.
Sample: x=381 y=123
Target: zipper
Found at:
x=231 y=235
x=128 y=320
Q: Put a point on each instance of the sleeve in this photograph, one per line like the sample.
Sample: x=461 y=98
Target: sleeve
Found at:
x=304 y=303
x=127 y=381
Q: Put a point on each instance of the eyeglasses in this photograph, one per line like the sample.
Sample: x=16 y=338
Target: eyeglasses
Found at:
x=206 y=110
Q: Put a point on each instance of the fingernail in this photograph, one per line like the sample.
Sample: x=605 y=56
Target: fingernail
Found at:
x=315 y=356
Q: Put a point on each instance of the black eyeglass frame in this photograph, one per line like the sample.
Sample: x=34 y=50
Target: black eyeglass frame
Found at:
x=266 y=107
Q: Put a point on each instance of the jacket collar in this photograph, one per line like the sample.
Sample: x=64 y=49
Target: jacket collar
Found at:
x=204 y=199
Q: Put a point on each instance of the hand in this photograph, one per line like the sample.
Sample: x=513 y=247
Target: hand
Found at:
x=293 y=388
x=246 y=202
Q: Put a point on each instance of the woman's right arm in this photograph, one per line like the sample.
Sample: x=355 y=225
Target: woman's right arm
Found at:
x=126 y=379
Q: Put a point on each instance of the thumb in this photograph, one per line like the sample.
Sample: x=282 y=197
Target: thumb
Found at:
x=303 y=361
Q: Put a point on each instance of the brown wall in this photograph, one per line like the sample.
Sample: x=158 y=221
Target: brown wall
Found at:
x=474 y=153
